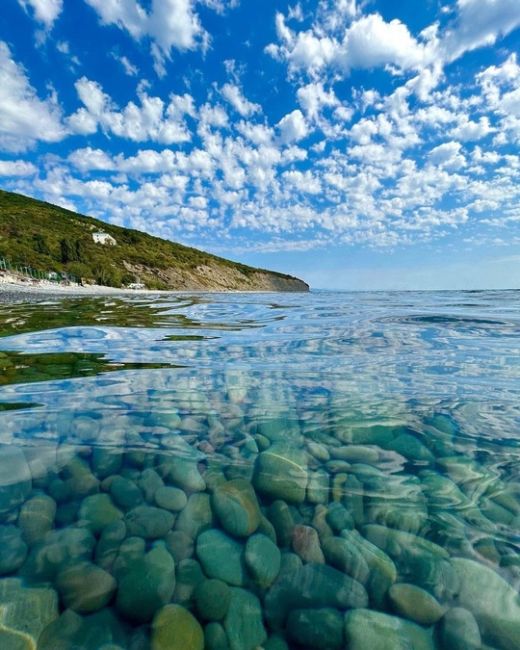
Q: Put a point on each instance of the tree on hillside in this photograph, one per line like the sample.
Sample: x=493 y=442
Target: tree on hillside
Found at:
x=65 y=251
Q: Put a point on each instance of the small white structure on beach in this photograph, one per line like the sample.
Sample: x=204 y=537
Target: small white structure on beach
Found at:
x=104 y=238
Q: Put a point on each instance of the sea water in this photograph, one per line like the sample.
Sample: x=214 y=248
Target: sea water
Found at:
x=240 y=471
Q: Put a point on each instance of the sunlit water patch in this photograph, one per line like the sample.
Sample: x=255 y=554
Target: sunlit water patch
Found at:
x=234 y=472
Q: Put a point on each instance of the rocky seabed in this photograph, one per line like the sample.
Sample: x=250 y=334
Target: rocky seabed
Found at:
x=366 y=537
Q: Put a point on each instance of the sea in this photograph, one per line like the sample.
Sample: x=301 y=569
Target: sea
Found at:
x=239 y=471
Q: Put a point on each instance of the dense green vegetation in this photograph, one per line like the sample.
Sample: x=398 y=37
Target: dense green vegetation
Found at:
x=49 y=238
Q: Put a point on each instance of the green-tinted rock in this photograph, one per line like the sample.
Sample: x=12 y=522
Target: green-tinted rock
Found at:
x=339 y=518
x=180 y=545
x=459 y=630
x=171 y=498
x=347 y=557
x=149 y=483
x=243 y=623
x=85 y=587
x=106 y=461
x=108 y=546
x=79 y=478
x=316 y=628
x=149 y=522
x=189 y=576
x=415 y=604
x=366 y=628
x=236 y=507
x=60 y=549
x=262 y=559
x=383 y=572
x=99 y=511
x=410 y=447
x=15 y=479
x=182 y=472
x=125 y=493
x=132 y=550
x=13 y=550
x=74 y=632
x=146 y=586
x=418 y=560
x=212 y=599
x=280 y=516
x=492 y=601
x=174 y=628
x=37 y=518
x=318 y=487
x=25 y=611
x=281 y=473
x=221 y=557
x=196 y=517
x=313 y=586
x=215 y=637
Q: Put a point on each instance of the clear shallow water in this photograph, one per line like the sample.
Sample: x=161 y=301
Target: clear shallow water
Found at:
x=330 y=470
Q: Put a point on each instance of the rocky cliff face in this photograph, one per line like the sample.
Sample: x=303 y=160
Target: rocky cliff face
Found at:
x=215 y=277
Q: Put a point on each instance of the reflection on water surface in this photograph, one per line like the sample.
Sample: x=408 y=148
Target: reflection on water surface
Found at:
x=234 y=472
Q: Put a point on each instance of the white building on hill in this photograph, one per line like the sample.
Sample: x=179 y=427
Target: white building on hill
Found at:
x=104 y=238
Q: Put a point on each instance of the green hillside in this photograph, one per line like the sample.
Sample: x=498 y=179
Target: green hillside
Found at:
x=49 y=238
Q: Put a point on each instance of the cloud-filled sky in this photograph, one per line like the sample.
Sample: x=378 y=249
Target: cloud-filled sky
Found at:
x=358 y=144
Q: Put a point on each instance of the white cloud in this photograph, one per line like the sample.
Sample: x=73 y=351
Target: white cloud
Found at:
x=130 y=69
x=170 y=24
x=45 y=11
x=448 y=156
x=313 y=98
x=480 y=23
x=234 y=96
x=469 y=130
x=151 y=119
x=17 y=168
x=24 y=118
x=293 y=127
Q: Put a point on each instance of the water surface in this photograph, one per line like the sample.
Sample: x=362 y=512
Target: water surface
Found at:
x=332 y=470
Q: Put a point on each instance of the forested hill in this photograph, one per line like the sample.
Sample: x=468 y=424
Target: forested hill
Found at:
x=49 y=239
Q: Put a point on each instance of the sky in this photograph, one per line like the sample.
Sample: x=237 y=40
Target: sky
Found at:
x=356 y=144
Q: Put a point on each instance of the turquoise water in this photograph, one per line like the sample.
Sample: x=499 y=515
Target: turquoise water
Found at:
x=333 y=470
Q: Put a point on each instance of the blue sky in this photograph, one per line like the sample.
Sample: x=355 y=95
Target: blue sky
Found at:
x=360 y=145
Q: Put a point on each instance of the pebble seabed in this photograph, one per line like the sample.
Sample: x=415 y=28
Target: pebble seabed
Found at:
x=372 y=537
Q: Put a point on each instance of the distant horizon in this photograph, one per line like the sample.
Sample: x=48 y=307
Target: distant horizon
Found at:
x=356 y=145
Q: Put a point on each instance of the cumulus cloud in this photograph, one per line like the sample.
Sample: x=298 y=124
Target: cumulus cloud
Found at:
x=293 y=127
x=45 y=11
x=17 y=168
x=169 y=24
x=24 y=117
x=234 y=96
x=151 y=119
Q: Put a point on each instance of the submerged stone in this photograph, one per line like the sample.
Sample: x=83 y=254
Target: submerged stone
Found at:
x=196 y=517
x=312 y=586
x=182 y=472
x=37 y=518
x=215 y=637
x=346 y=556
x=243 y=623
x=316 y=628
x=212 y=599
x=125 y=493
x=149 y=522
x=85 y=587
x=13 y=550
x=493 y=602
x=171 y=498
x=306 y=544
x=146 y=585
x=73 y=632
x=180 y=545
x=99 y=511
x=318 y=487
x=281 y=473
x=263 y=560
x=415 y=604
x=189 y=575
x=365 y=628
x=221 y=557
x=236 y=507
x=280 y=516
x=106 y=461
x=459 y=630
x=175 y=628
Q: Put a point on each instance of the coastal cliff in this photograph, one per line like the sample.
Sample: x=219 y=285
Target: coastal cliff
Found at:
x=57 y=243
